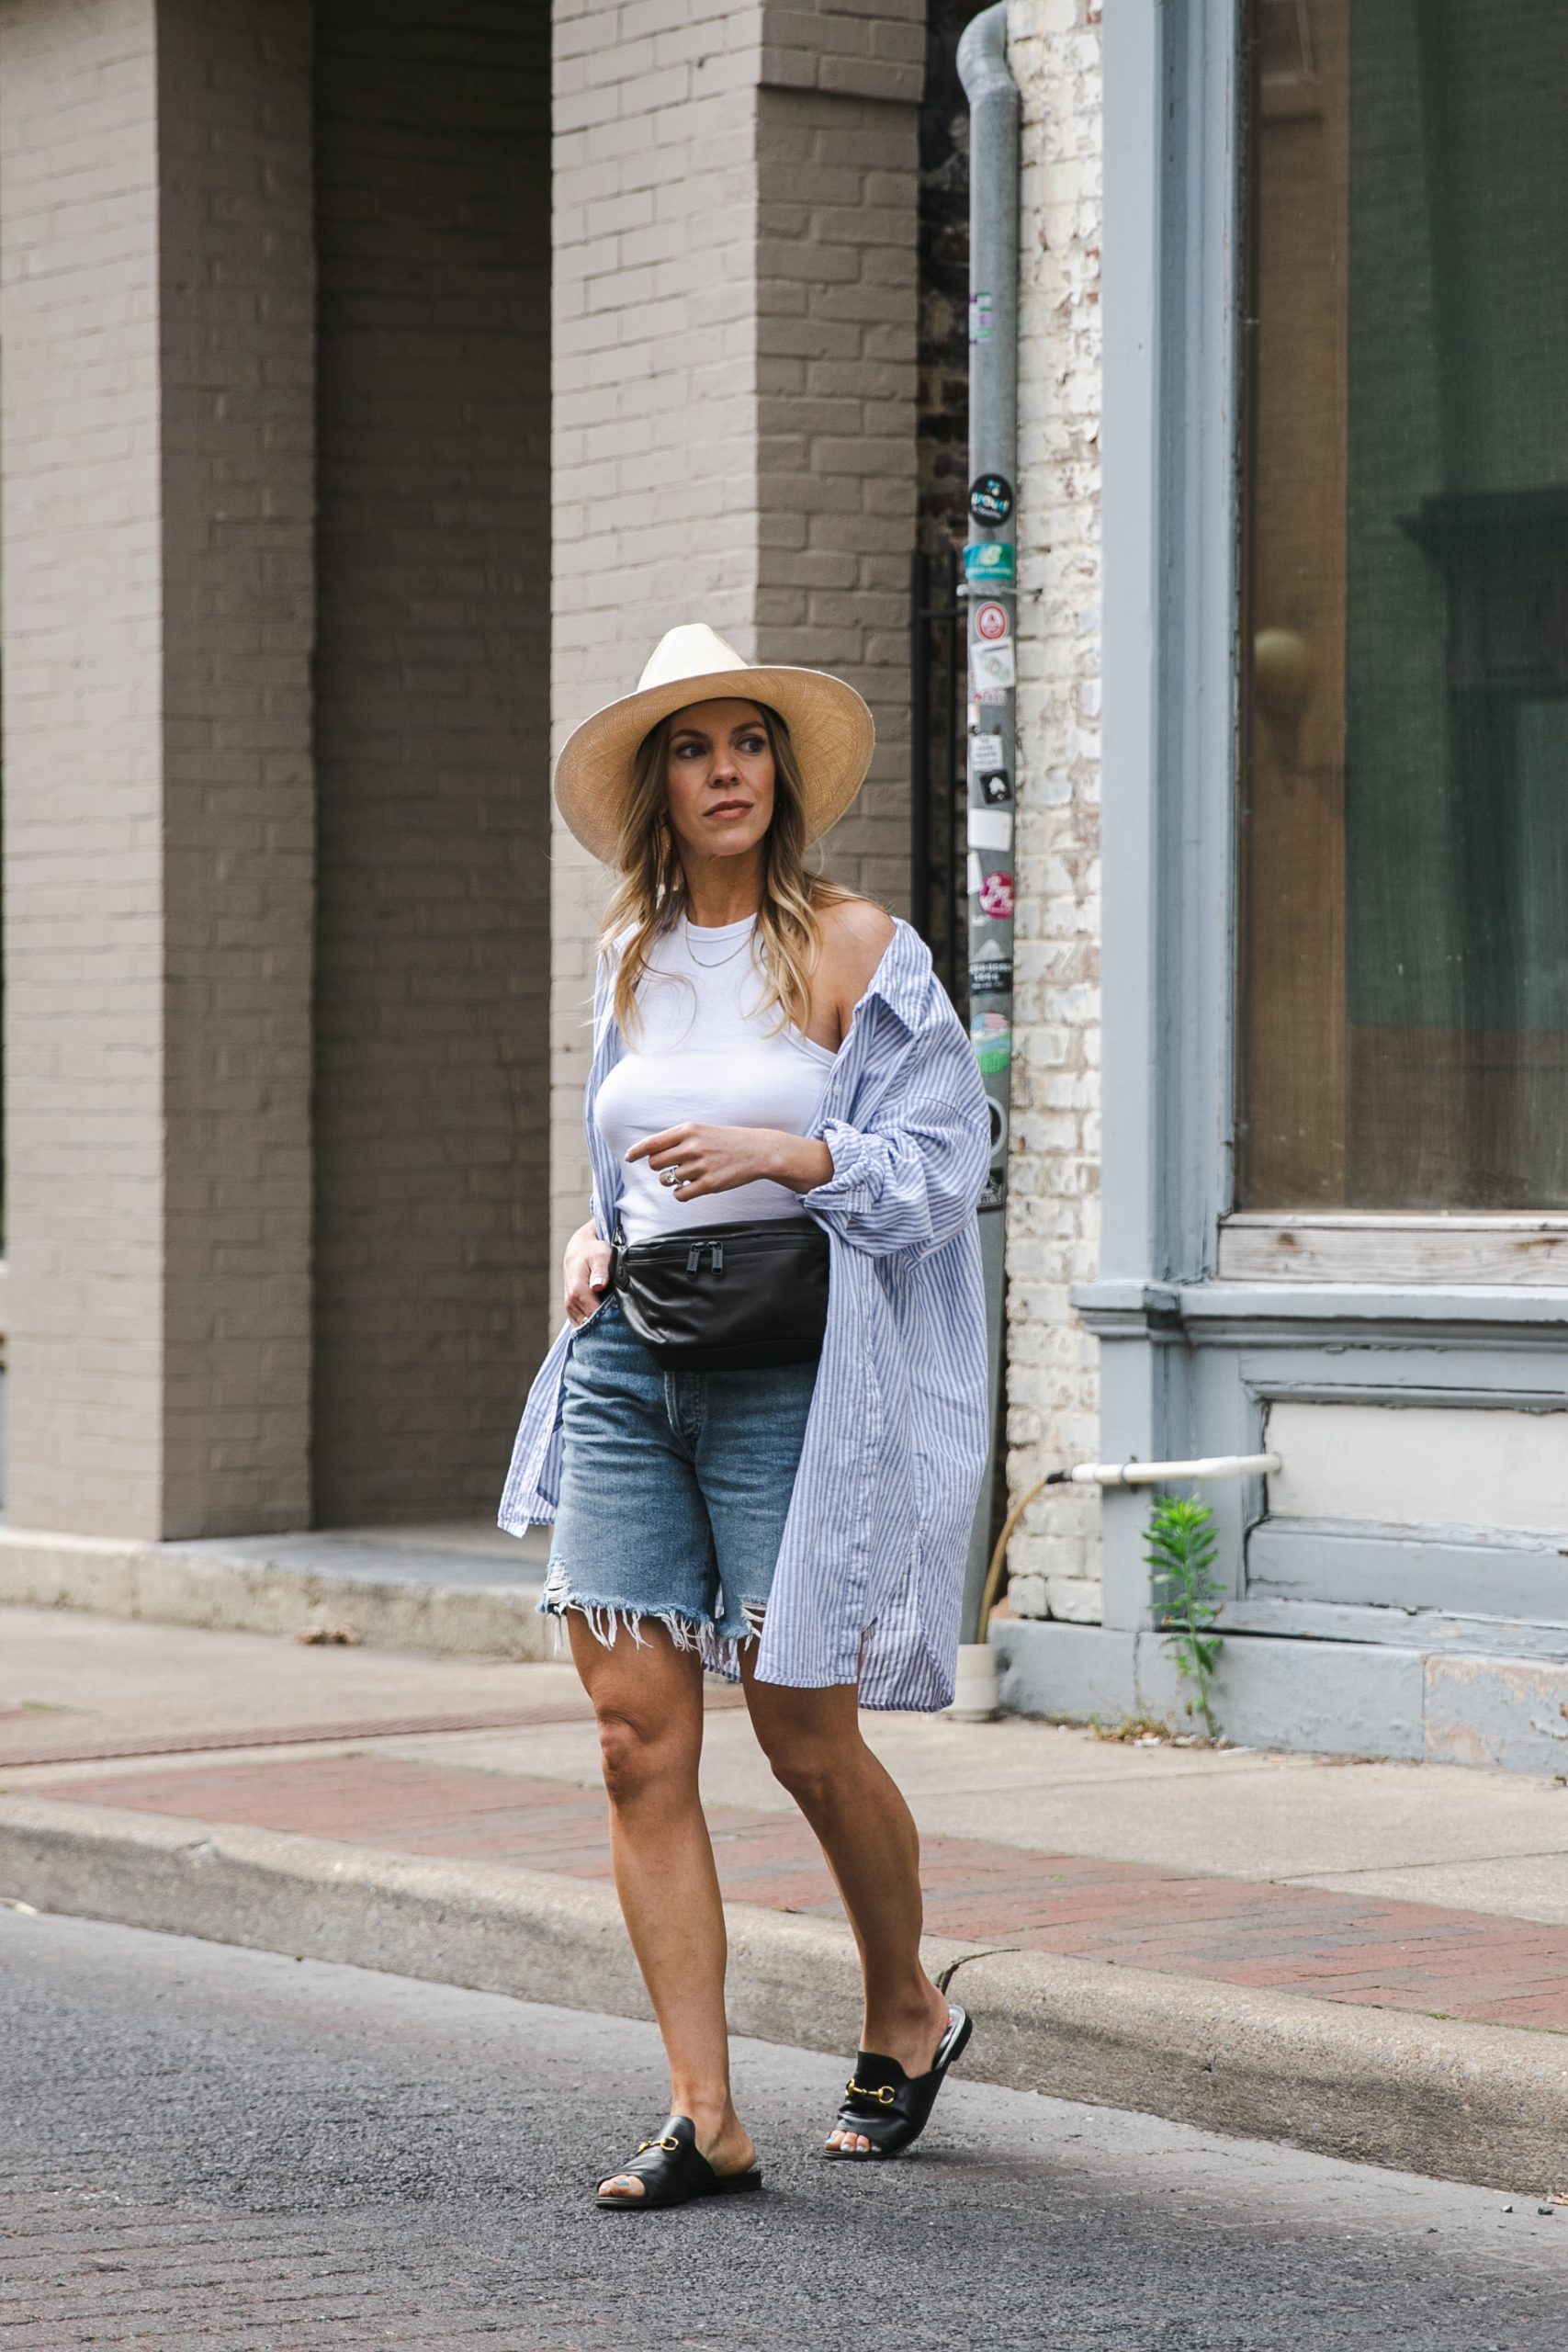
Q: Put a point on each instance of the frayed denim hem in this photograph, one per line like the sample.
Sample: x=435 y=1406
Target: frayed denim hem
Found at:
x=606 y=1620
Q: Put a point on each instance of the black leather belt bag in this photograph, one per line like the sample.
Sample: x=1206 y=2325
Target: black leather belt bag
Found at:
x=727 y=1297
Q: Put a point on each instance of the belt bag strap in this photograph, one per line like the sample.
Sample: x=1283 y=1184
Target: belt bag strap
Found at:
x=727 y=1297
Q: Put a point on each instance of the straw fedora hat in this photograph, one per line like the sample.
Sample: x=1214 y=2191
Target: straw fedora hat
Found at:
x=829 y=727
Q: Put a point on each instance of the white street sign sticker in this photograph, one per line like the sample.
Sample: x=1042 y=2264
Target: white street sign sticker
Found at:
x=992 y=666
x=990 y=828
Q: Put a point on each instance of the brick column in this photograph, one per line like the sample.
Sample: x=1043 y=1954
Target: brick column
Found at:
x=734 y=380
x=431 y=1166
x=157 y=337
x=837 y=166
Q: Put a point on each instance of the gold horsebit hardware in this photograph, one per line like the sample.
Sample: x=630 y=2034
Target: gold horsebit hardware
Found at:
x=885 y=2094
x=671 y=2147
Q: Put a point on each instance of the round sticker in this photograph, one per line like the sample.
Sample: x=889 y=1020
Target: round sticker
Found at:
x=990 y=498
x=995 y=897
x=991 y=623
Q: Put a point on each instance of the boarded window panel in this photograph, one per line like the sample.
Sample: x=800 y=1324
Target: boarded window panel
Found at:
x=1405 y=950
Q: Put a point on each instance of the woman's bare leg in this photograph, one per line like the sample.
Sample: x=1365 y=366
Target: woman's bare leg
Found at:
x=648 y=1701
x=812 y=1739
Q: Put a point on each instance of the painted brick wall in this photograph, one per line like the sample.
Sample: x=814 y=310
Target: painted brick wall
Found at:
x=1053 y=1225
x=238 y=621
x=79 y=373
x=734 y=358
x=837 y=188
x=154 y=323
x=431 y=1129
x=654 y=344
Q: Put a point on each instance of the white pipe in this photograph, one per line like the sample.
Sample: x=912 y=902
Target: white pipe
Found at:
x=1150 y=1473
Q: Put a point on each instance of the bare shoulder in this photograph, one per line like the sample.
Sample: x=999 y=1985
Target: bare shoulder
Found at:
x=856 y=935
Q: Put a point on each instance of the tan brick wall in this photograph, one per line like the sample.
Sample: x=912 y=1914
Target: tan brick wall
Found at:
x=432 y=679
x=734 y=313
x=156 y=531
x=654 y=358
x=838 y=217
x=1053 y=1223
x=239 y=511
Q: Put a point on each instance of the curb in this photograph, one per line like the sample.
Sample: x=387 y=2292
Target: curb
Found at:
x=1475 y=2103
x=268 y=1593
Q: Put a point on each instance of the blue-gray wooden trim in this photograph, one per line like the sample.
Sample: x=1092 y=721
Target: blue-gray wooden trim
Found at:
x=1326 y=1563
x=1167 y=745
x=1133 y=52
x=1315 y=1387
x=1168 y=521
x=1209 y=1312
x=1526 y=1372
x=1436 y=1634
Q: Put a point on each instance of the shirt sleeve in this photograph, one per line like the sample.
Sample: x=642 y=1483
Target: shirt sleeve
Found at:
x=603 y=1010
x=910 y=1179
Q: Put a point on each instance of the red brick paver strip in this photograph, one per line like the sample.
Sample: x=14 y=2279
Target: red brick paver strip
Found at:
x=21 y=1743
x=1370 y=1950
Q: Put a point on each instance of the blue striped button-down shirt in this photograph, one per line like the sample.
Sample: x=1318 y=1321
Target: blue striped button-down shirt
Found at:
x=870 y=1570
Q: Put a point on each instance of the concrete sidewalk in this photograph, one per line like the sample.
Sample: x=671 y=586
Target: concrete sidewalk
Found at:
x=1372 y=1958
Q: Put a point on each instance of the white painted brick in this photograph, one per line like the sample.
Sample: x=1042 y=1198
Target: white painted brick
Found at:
x=1053 y=1226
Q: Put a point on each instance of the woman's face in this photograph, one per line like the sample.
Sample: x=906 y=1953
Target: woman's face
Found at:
x=720 y=778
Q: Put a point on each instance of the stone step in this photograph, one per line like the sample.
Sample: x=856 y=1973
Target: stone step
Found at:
x=459 y=1590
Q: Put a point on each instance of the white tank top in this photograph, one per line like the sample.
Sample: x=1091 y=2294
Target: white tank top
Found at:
x=707 y=1052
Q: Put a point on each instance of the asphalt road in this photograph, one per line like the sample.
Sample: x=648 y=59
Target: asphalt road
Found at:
x=201 y=2147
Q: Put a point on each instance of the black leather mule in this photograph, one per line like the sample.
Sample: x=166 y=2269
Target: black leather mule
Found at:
x=889 y=2108
x=673 y=2171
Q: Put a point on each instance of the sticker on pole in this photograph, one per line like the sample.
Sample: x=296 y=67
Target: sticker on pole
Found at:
x=995 y=897
x=987 y=563
x=980 y=307
x=995 y=789
x=990 y=498
x=991 y=1034
x=992 y=669
x=990 y=828
x=991 y=623
x=985 y=752
x=991 y=973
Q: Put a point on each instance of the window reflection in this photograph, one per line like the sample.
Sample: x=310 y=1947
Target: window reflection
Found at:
x=1404 y=975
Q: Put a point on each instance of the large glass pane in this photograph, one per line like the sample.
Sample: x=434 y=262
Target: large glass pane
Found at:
x=1404 y=980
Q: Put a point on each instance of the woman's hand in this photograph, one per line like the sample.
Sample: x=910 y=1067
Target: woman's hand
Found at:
x=715 y=1160
x=587 y=1269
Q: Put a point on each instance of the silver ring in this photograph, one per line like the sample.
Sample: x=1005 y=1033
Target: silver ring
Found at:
x=670 y=1176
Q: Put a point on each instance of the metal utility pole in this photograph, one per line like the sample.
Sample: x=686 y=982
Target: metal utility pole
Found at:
x=991 y=589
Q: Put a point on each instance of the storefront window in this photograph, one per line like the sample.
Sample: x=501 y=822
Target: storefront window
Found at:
x=1404 y=948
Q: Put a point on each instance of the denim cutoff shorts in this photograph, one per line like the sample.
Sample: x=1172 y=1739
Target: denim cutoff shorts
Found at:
x=674 y=1490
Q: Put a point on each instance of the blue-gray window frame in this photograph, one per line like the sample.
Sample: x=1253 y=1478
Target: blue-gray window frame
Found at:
x=1169 y=503
x=1170 y=494
x=1170 y=523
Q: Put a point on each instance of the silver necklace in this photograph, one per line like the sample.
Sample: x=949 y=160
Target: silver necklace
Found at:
x=728 y=957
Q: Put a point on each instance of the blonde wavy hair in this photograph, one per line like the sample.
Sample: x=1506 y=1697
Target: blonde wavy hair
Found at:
x=651 y=895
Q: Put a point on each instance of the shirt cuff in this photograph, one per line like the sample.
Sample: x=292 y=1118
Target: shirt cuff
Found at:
x=846 y=1187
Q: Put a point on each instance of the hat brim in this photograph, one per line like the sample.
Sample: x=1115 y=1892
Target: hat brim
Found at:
x=831 y=732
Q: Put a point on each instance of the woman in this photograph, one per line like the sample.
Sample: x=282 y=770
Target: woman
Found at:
x=772 y=1057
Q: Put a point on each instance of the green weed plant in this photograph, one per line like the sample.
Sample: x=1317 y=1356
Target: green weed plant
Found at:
x=1181 y=1550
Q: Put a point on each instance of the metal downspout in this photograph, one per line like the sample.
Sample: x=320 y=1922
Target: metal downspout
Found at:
x=990 y=588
